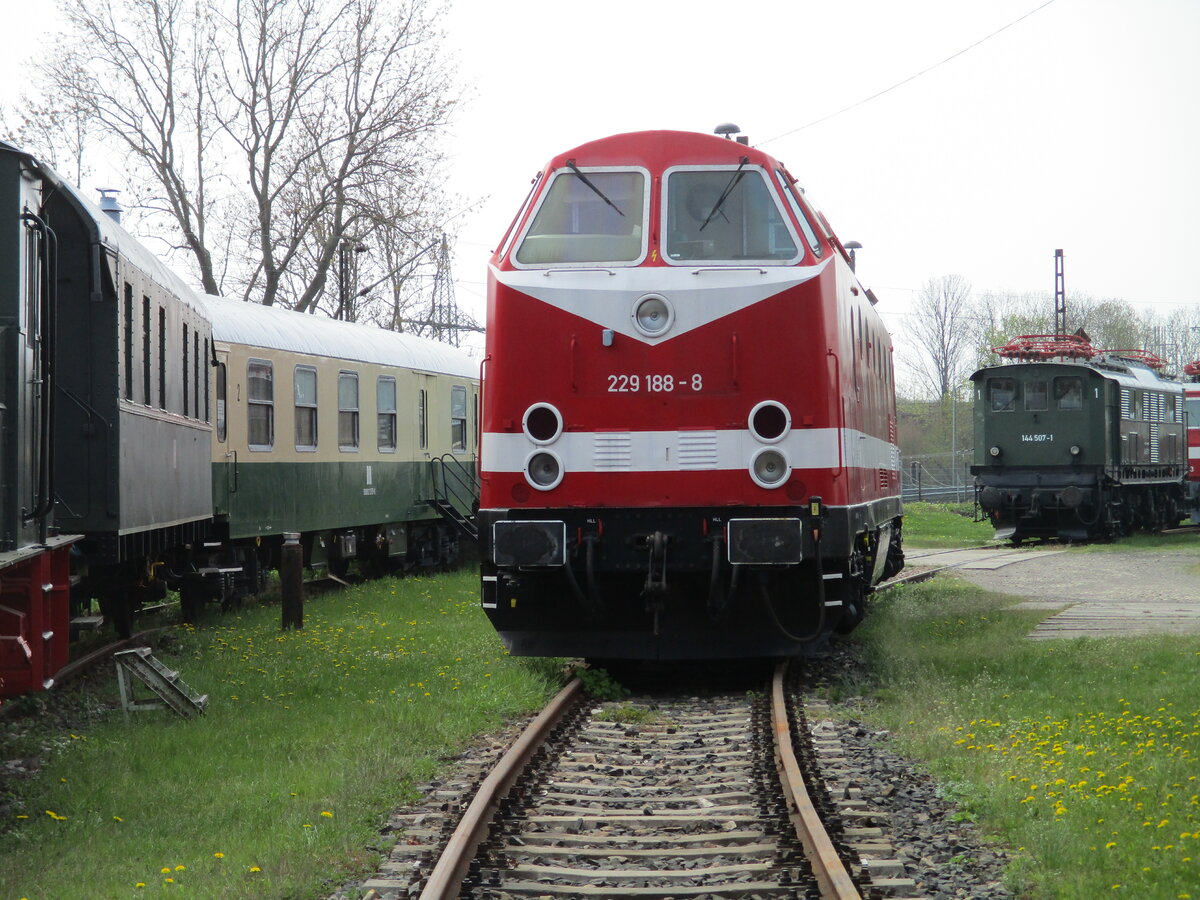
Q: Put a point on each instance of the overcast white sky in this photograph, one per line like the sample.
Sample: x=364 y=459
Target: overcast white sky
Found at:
x=1078 y=127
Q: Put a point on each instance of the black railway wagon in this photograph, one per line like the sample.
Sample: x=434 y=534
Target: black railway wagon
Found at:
x=133 y=407
x=1079 y=447
x=34 y=557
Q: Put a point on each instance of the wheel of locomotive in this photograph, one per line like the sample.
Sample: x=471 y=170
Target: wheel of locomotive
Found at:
x=854 y=606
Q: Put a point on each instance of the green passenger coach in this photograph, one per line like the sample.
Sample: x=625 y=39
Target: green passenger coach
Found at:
x=1076 y=443
x=328 y=429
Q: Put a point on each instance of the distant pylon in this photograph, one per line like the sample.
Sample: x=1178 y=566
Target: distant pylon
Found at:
x=445 y=308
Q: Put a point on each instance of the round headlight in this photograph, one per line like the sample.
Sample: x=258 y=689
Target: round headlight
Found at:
x=542 y=423
x=770 y=421
x=543 y=470
x=769 y=468
x=653 y=315
x=995 y=451
x=1076 y=449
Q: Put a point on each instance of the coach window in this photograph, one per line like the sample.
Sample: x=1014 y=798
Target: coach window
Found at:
x=162 y=358
x=423 y=417
x=222 y=431
x=306 y=408
x=186 y=371
x=458 y=419
x=385 y=413
x=147 y=348
x=348 y=411
x=1002 y=392
x=726 y=215
x=587 y=216
x=1068 y=392
x=1037 y=396
x=260 y=396
x=128 y=341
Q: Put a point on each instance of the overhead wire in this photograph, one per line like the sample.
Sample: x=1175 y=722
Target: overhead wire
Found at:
x=898 y=84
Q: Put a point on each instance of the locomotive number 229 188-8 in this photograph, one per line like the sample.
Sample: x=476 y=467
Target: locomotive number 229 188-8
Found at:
x=654 y=384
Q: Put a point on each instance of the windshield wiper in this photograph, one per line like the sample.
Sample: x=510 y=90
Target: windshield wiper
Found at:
x=599 y=193
x=737 y=176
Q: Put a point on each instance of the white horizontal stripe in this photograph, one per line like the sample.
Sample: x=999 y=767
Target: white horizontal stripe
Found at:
x=668 y=451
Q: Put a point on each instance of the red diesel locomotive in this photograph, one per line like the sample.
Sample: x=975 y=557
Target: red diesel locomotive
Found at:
x=689 y=422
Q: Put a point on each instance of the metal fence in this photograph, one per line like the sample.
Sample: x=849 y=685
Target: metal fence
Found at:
x=942 y=477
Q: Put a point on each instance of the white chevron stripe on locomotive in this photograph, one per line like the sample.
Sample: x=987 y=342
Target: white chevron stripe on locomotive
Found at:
x=699 y=294
x=668 y=451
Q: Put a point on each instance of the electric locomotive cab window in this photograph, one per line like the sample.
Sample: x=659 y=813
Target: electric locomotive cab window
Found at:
x=385 y=413
x=1037 y=396
x=348 y=411
x=790 y=189
x=1191 y=406
x=458 y=418
x=587 y=217
x=1002 y=394
x=306 y=408
x=1068 y=392
x=260 y=396
x=726 y=215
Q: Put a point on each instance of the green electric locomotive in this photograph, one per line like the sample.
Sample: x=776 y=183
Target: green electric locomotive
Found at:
x=1077 y=443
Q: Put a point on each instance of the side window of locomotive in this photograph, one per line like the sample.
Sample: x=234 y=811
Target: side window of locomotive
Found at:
x=260 y=397
x=810 y=234
x=385 y=413
x=1191 y=406
x=1068 y=392
x=458 y=418
x=306 y=407
x=348 y=411
x=1002 y=394
x=594 y=217
x=1037 y=396
x=725 y=215
x=222 y=428
x=147 y=349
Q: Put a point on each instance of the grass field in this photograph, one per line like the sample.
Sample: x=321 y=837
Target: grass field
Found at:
x=1083 y=754
x=944 y=525
x=310 y=739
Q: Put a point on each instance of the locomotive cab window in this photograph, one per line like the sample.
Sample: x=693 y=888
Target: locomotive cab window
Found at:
x=1068 y=392
x=1037 y=396
x=1191 y=406
x=1002 y=394
x=790 y=189
x=260 y=396
x=587 y=216
x=222 y=427
x=348 y=411
x=724 y=215
x=306 y=408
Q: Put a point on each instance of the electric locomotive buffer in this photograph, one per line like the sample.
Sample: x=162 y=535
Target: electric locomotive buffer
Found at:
x=688 y=411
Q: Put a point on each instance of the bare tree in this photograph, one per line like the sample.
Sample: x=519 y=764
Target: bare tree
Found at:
x=269 y=128
x=941 y=329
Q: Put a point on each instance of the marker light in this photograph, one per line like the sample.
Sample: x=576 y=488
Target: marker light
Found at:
x=543 y=470
x=769 y=468
x=995 y=451
x=542 y=423
x=770 y=421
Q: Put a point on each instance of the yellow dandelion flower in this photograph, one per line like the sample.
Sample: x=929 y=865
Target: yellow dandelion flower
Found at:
x=168 y=881
x=165 y=870
x=181 y=868
x=218 y=855
x=255 y=869
x=327 y=814
x=118 y=819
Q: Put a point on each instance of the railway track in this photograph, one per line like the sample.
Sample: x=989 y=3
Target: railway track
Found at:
x=660 y=795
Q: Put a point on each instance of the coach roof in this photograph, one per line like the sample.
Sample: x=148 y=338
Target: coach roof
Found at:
x=255 y=325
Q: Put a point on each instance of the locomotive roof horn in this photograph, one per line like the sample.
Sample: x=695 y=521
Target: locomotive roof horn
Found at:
x=729 y=129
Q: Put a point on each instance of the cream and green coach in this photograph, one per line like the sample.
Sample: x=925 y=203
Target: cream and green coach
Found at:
x=328 y=429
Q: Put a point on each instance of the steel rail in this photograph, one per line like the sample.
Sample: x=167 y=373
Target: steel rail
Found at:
x=445 y=881
x=832 y=878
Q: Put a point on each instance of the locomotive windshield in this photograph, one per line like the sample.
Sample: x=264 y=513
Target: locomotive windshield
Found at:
x=724 y=215
x=596 y=217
